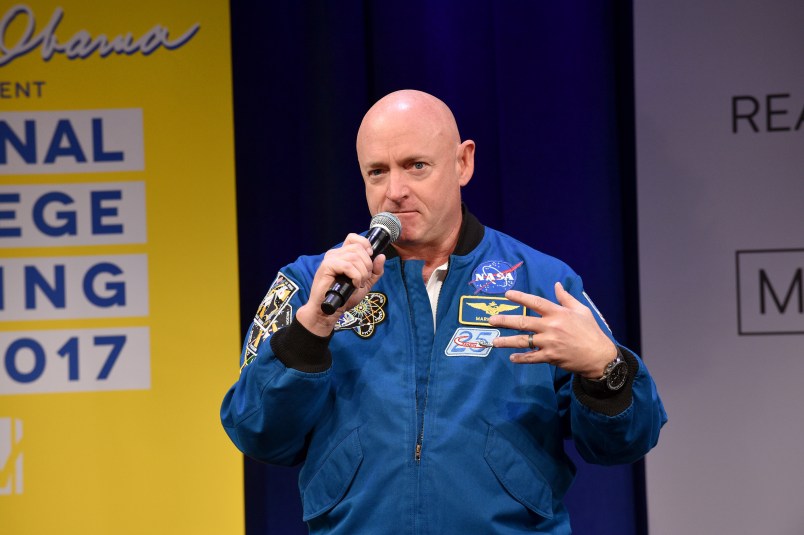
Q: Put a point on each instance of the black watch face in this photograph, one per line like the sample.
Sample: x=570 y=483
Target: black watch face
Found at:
x=617 y=376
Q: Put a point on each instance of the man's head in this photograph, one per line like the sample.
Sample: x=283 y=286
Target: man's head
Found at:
x=414 y=165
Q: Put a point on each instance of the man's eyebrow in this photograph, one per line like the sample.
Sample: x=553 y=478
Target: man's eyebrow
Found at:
x=374 y=165
x=406 y=160
x=416 y=158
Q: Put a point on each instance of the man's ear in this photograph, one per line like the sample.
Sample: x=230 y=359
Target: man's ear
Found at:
x=465 y=160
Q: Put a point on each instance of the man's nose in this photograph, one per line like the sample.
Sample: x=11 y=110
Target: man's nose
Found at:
x=397 y=186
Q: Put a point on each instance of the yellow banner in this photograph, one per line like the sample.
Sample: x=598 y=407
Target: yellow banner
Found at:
x=118 y=268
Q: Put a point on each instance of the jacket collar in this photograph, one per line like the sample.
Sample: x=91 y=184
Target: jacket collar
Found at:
x=472 y=232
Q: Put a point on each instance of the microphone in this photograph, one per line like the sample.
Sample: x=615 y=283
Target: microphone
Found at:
x=384 y=229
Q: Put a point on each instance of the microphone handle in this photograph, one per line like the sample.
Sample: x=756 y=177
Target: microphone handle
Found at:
x=337 y=295
x=342 y=288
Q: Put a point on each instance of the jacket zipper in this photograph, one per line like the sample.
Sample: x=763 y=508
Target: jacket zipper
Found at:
x=417 y=455
x=417 y=452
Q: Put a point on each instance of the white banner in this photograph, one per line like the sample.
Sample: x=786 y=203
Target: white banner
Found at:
x=71 y=287
x=720 y=139
x=80 y=360
x=72 y=214
x=82 y=141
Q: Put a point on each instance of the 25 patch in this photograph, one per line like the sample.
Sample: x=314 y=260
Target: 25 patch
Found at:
x=471 y=342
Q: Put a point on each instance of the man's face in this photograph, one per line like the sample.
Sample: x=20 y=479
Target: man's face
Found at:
x=414 y=166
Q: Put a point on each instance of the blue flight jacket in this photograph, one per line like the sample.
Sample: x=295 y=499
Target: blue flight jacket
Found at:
x=404 y=428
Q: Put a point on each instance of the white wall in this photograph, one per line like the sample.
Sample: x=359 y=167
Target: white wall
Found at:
x=731 y=459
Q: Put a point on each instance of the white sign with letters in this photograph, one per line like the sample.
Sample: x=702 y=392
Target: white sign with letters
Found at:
x=720 y=165
x=79 y=141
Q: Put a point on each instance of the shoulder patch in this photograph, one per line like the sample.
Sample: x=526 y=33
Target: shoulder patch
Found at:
x=273 y=313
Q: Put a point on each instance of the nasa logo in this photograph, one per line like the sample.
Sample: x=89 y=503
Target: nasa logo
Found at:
x=494 y=277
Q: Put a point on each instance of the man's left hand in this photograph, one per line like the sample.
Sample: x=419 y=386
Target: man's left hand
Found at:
x=565 y=335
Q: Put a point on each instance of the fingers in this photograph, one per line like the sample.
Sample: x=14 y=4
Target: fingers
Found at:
x=532 y=357
x=527 y=341
x=378 y=267
x=565 y=298
x=531 y=325
x=352 y=260
x=538 y=304
x=565 y=335
x=516 y=323
x=357 y=239
x=535 y=340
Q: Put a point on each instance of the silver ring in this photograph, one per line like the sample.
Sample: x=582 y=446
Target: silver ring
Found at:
x=530 y=341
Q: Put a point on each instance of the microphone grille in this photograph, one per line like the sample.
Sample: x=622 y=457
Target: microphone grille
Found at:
x=389 y=222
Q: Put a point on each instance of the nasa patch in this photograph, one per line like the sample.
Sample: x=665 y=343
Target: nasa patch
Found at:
x=494 y=277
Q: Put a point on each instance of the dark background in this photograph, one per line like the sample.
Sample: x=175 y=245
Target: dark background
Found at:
x=546 y=91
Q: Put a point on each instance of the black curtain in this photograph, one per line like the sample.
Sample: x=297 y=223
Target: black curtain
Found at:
x=546 y=91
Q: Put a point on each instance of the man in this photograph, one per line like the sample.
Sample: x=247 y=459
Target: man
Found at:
x=436 y=400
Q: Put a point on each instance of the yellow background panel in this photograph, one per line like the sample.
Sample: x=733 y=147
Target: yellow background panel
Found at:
x=156 y=460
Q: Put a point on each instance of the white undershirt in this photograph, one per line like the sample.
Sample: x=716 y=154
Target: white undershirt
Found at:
x=434 y=286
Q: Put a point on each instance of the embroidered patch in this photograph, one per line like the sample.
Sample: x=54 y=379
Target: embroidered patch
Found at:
x=471 y=342
x=494 y=277
x=273 y=313
x=476 y=310
x=364 y=316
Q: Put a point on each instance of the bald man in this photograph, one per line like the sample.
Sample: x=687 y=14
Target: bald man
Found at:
x=436 y=400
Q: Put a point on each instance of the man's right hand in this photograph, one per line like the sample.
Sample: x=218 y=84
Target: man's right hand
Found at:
x=352 y=260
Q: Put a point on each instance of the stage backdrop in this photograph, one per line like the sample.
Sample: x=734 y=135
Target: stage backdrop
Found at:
x=720 y=124
x=118 y=288
x=545 y=90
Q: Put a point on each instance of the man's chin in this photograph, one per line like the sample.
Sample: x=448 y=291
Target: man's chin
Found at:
x=409 y=221
x=406 y=239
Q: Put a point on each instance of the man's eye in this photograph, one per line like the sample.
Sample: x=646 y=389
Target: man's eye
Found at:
x=418 y=165
x=375 y=172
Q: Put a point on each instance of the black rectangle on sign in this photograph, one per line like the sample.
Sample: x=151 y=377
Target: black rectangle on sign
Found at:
x=770 y=291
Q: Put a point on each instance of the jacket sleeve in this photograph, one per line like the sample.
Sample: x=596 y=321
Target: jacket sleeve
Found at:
x=613 y=427
x=284 y=383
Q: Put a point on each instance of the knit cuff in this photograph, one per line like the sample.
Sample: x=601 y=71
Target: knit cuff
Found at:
x=597 y=396
x=298 y=348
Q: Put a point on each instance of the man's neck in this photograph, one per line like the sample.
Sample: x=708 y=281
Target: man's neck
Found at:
x=433 y=258
x=433 y=255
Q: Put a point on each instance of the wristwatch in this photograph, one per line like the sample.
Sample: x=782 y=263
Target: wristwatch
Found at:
x=616 y=373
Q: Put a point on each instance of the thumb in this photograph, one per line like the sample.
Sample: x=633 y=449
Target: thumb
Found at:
x=565 y=298
x=378 y=268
